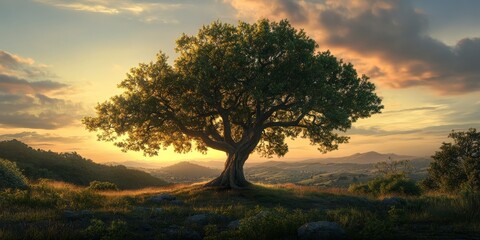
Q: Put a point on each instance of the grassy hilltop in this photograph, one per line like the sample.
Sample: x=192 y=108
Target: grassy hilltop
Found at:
x=72 y=168
x=65 y=207
x=56 y=210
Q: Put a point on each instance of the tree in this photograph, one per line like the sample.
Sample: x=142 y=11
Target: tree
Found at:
x=457 y=165
x=11 y=176
x=237 y=89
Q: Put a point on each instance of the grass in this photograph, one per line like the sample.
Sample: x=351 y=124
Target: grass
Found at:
x=264 y=211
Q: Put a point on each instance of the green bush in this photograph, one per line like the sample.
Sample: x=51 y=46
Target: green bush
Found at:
x=99 y=230
x=272 y=224
x=362 y=224
x=102 y=186
x=11 y=176
x=392 y=184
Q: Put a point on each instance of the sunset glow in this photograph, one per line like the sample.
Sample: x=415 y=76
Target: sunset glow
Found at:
x=59 y=58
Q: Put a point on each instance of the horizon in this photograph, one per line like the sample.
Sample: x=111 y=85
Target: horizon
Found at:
x=165 y=163
x=59 y=58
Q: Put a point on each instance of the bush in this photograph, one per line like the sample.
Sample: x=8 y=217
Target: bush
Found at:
x=277 y=223
x=11 y=176
x=361 y=223
x=102 y=186
x=392 y=184
x=99 y=230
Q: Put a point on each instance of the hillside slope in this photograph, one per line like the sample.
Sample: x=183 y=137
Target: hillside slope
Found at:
x=186 y=172
x=72 y=168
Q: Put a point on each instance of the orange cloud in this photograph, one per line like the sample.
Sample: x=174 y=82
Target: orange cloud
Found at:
x=386 y=39
x=23 y=100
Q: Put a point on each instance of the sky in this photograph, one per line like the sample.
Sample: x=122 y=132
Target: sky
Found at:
x=59 y=58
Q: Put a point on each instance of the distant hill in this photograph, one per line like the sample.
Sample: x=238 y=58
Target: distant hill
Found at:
x=211 y=164
x=362 y=158
x=72 y=168
x=186 y=172
x=141 y=164
x=332 y=172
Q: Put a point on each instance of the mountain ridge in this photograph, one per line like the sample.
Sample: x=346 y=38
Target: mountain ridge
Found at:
x=72 y=168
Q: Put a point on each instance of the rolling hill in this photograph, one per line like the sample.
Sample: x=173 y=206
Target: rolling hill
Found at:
x=362 y=158
x=186 y=172
x=72 y=168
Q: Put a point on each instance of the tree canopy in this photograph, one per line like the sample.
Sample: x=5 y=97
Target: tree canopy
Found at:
x=237 y=89
x=456 y=166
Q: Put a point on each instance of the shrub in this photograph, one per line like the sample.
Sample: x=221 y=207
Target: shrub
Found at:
x=99 y=230
x=361 y=223
x=11 y=176
x=392 y=184
x=102 y=186
x=274 y=223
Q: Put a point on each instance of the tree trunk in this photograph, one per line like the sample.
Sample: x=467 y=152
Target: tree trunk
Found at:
x=232 y=176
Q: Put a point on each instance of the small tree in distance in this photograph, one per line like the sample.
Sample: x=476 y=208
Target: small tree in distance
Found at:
x=237 y=89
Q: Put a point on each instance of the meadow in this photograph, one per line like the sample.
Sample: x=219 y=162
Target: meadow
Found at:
x=57 y=210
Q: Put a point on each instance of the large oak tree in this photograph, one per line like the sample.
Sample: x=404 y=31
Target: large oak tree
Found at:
x=237 y=89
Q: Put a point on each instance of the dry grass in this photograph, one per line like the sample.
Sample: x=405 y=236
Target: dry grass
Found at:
x=143 y=191
x=287 y=207
x=60 y=185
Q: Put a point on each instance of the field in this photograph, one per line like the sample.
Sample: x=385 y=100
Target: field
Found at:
x=56 y=210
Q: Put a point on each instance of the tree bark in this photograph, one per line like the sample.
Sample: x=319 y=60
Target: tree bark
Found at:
x=232 y=175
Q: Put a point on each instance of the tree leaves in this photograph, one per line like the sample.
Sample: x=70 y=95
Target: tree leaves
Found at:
x=235 y=87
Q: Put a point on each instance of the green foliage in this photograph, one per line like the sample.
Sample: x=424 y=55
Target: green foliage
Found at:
x=99 y=230
x=456 y=166
x=393 y=180
x=102 y=186
x=362 y=224
x=113 y=216
x=245 y=87
x=45 y=196
x=387 y=185
x=271 y=224
x=72 y=168
x=11 y=176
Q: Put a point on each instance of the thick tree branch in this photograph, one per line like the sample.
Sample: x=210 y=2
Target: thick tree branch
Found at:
x=293 y=123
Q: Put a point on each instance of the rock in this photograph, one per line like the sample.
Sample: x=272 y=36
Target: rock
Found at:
x=72 y=215
x=175 y=232
x=140 y=209
x=147 y=227
x=199 y=219
x=85 y=213
x=177 y=202
x=262 y=214
x=393 y=201
x=147 y=210
x=164 y=197
x=69 y=214
x=234 y=225
x=321 y=230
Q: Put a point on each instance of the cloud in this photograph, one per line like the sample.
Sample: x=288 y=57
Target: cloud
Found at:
x=37 y=111
x=387 y=38
x=13 y=65
x=147 y=11
x=12 y=84
x=412 y=110
x=28 y=103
